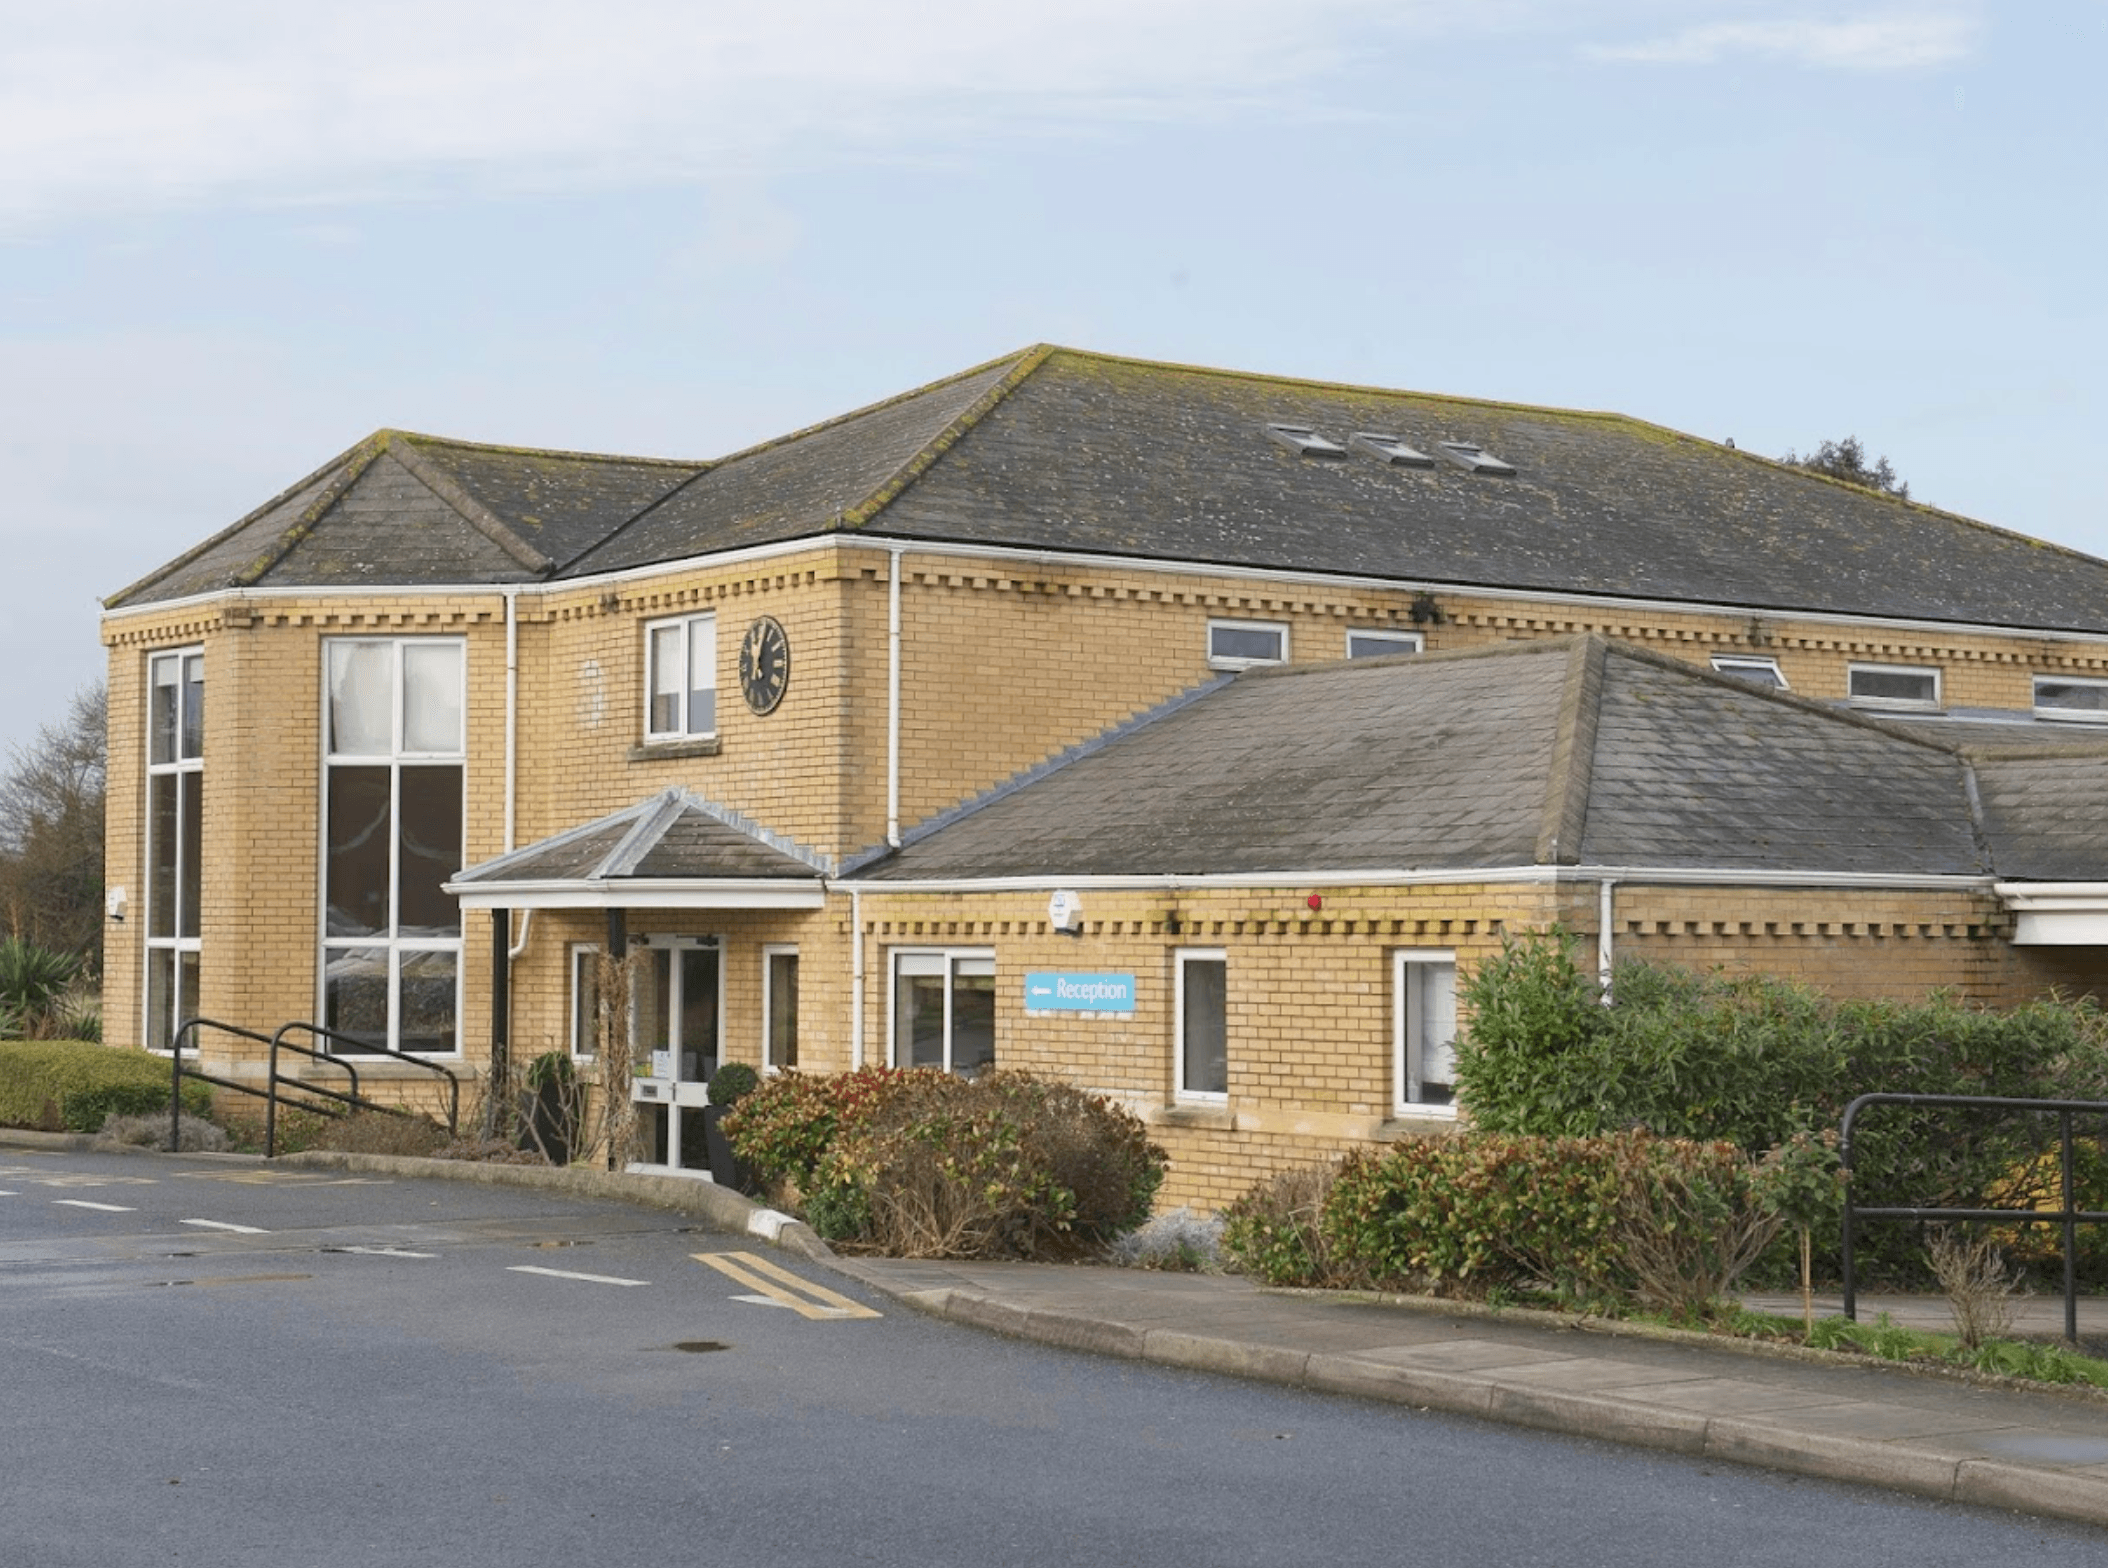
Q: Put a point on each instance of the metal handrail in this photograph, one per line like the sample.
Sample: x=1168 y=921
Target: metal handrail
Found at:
x=178 y=1072
x=2069 y=1217
x=362 y=1047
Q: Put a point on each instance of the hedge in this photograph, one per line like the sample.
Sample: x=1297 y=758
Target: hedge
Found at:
x=72 y=1085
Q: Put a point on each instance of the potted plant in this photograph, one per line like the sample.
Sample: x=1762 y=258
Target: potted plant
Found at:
x=731 y=1083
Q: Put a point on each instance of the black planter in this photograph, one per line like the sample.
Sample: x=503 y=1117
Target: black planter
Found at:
x=725 y=1168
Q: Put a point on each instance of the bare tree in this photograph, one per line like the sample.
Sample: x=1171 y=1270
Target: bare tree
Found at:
x=1846 y=460
x=51 y=827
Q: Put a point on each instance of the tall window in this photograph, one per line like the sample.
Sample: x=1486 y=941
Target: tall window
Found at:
x=1424 y=994
x=779 y=1006
x=391 y=940
x=944 y=1010
x=585 y=1001
x=680 y=678
x=1203 y=1024
x=175 y=787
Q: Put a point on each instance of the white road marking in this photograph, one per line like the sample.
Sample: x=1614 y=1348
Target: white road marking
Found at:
x=83 y=1203
x=246 y=1230
x=387 y=1252
x=591 y=1279
x=10 y=1195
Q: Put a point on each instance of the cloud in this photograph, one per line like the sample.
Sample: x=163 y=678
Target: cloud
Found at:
x=1893 y=41
x=122 y=105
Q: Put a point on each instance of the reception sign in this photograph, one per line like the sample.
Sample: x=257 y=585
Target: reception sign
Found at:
x=1049 y=992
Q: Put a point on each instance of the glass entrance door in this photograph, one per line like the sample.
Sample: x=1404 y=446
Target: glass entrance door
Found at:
x=675 y=1015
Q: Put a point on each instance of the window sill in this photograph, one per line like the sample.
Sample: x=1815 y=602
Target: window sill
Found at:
x=670 y=750
x=1415 y=1121
x=1215 y=1115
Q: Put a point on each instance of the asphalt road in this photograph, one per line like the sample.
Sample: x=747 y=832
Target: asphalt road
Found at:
x=211 y=1362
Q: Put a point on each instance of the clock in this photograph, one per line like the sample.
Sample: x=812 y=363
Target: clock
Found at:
x=764 y=664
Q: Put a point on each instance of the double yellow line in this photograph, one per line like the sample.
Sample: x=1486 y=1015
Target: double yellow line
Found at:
x=777 y=1286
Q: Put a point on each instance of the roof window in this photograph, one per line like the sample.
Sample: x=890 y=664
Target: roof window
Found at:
x=1389 y=449
x=2077 y=701
x=1304 y=441
x=1470 y=455
x=1757 y=671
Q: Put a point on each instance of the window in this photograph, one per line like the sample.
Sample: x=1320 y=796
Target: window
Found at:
x=1391 y=449
x=1470 y=455
x=1203 y=1024
x=175 y=861
x=1424 y=997
x=675 y=1002
x=585 y=1001
x=1756 y=671
x=1371 y=644
x=2081 y=701
x=1894 y=686
x=392 y=815
x=680 y=683
x=1237 y=645
x=944 y=1009
x=779 y=1007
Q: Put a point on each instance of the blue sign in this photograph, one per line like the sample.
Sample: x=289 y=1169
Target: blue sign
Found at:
x=1079 y=993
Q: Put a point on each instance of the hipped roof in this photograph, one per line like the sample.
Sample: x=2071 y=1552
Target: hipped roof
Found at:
x=1056 y=449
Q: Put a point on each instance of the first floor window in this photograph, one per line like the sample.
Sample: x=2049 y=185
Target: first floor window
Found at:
x=1893 y=685
x=680 y=680
x=944 y=1009
x=175 y=832
x=1203 y=1024
x=1237 y=645
x=1379 y=644
x=779 y=1006
x=2058 y=697
x=1424 y=993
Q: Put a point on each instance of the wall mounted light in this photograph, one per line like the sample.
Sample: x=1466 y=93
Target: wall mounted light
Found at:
x=116 y=902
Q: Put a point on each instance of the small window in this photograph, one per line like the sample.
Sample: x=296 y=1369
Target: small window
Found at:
x=1203 y=1024
x=1381 y=644
x=1758 y=672
x=1390 y=449
x=585 y=1001
x=944 y=1009
x=1894 y=686
x=1237 y=645
x=779 y=1007
x=1477 y=459
x=1305 y=442
x=1424 y=994
x=2079 y=701
x=680 y=678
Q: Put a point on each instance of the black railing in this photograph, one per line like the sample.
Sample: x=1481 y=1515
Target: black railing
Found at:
x=352 y=1045
x=2067 y=1215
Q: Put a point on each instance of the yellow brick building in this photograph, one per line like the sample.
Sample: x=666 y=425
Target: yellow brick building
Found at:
x=398 y=753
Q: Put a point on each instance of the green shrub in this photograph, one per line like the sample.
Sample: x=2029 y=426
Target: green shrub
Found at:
x=57 y=1084
x=731 y=1083
x=33 y=979
x=920 y=1163
x=1275 y=1230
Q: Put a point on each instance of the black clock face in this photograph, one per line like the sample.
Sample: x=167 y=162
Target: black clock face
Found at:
x=764 y=664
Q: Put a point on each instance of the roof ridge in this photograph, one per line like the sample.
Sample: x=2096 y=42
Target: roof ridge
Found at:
x=361 y=453
x=473 y=512
x=740 y=822
x=654 y=817
x=562 y=454
x=933 y=449
x=1572 y=773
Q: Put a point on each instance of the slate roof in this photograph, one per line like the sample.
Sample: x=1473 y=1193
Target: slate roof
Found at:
x=1055 y=449
x=1573 y=752
x=2046 y=813
x=674 y=835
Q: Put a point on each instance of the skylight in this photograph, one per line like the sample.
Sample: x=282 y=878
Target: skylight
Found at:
x=1304 y=441
x=1390 y=448
x=1467 y=454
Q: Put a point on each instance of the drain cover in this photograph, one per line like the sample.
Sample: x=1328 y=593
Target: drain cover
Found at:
x=700 y=1346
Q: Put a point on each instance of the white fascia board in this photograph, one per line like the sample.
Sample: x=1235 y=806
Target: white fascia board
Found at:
x=1674 y=876
x=885 y=544
x=643 y=893
x=2057 y=914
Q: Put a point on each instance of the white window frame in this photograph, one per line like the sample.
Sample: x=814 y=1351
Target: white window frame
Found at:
x=399 y=755
x=951 y=958
x=1410 y=968
x=673 y=945
x=1896 y=704
x=1183 y=1091
x=770 y=952
x=690 y=628
x=1736 y=665
x=188 y=770
x=1238 y=661
x=583 y=957
x=1385 y=642
x=2059 y=715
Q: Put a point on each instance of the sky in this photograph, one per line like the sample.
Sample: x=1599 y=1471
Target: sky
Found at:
x=237 y=236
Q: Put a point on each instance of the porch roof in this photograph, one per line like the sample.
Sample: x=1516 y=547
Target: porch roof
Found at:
x=673 y=851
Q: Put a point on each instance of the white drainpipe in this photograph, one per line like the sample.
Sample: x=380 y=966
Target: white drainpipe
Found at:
x=893 y=700
x=856 y=979
x=1605 y=954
